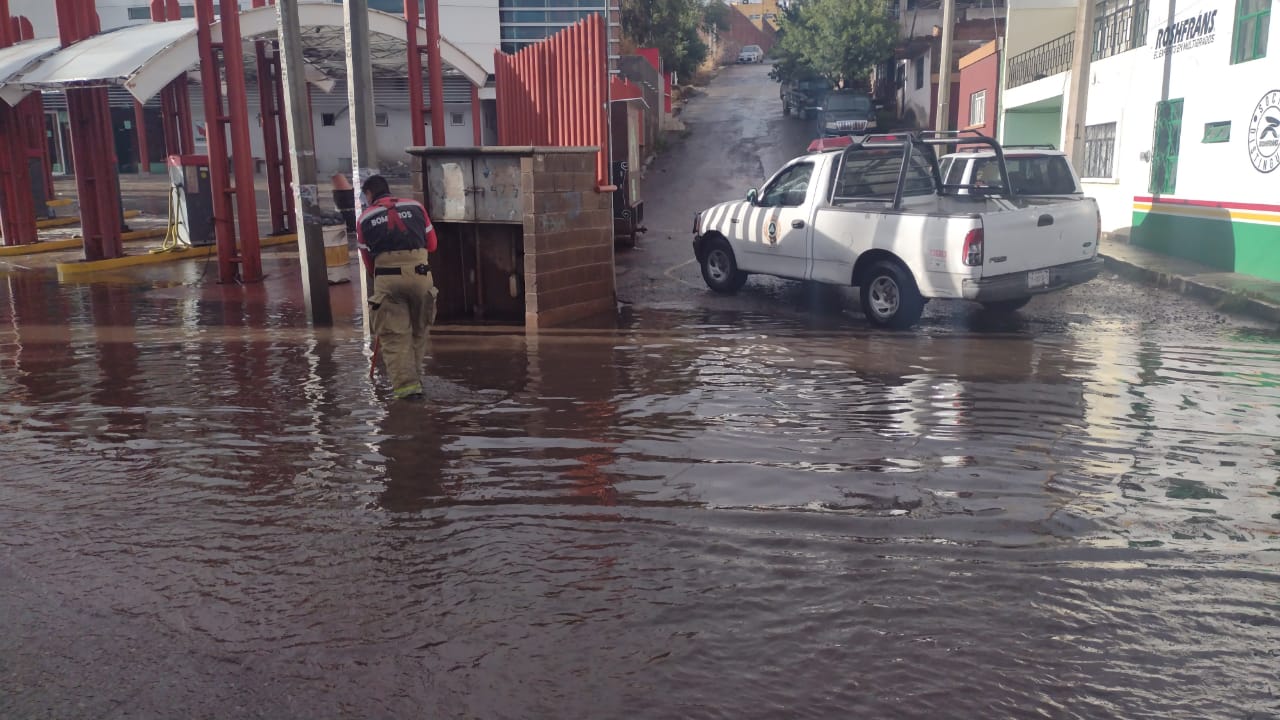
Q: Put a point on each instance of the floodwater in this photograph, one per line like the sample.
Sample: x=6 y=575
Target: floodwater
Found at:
x=208 y=511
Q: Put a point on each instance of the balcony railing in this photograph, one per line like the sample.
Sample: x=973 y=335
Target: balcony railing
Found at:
x=1115 y=30
x=1041 y=61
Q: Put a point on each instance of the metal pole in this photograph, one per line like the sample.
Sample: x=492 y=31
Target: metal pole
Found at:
x=435 y=72
x=1078 y=93
x=364 y=147
x=302 y=156
x=943 y=121
x=364 y=159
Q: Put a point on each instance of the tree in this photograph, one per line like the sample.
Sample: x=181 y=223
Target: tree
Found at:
x=672 y=27
x=841 y=40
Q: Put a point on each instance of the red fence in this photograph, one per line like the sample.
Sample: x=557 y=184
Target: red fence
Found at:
x=556 y=93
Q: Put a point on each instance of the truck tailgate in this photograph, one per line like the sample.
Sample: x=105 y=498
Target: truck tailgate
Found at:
x=1032 y=233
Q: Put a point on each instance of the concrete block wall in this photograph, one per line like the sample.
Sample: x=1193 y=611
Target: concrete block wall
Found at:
x=568 y=238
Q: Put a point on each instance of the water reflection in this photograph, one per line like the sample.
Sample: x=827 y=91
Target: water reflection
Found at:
x=1030 y=513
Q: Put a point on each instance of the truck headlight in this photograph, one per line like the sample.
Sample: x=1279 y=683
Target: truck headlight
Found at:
x=697 y=220
x=871 y=123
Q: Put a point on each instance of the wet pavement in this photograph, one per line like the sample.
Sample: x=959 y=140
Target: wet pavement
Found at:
x=748 y=507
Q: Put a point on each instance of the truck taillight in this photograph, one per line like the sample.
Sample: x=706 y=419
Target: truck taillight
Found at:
x=1098 y=211
x=973 y=248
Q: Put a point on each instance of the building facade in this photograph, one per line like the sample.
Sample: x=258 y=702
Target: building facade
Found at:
x=1182 y=130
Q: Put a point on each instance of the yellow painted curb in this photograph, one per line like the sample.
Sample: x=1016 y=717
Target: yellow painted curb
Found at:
x=74 y=243
x=64 y=222
x=41 y=247
x=83 y=268
x=60 y=202
x=86 y=267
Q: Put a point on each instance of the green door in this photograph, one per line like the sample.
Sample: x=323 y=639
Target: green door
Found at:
x=1164 y=147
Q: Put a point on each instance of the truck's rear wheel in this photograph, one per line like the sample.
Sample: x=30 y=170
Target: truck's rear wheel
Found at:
x=720 y=269
x=889 y=296
x=1005 y=306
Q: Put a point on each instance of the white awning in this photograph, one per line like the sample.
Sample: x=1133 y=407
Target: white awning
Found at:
x=146 y=58
x=15 y=60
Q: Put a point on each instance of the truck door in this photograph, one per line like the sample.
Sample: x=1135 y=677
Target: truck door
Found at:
x=779 y=236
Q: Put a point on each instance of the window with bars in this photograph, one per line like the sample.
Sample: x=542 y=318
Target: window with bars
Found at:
x=1099 y=150
x=978 y=109
x=1253 y=21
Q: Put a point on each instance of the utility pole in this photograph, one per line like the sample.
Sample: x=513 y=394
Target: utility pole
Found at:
x=1078 y=93
x=315 y=278
x=364 y=145
x=943 y=121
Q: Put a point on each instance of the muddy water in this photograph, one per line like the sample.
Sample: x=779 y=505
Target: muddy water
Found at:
x=207 y=512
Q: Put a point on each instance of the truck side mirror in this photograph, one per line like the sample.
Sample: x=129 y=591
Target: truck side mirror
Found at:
x=752 y=195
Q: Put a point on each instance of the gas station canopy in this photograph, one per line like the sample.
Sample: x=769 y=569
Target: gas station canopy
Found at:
x=15 y=60
x=146 y=58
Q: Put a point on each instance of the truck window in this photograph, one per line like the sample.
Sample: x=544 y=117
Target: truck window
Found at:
x=873 y=175
x=790 y=188
x=1038 y=175
x=952 y=171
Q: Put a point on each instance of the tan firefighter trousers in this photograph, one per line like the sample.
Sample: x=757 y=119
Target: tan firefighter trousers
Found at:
x=402 y=308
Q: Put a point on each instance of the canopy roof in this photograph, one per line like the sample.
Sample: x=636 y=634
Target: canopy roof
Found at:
x=146 y=58
x=18 y=58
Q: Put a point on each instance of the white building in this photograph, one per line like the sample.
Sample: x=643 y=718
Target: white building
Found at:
x=1182 y=130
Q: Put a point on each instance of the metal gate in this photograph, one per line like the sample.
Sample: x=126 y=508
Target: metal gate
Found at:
x=556 y=93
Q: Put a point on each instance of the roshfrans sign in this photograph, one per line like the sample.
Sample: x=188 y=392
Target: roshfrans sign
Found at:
x=1193 y=32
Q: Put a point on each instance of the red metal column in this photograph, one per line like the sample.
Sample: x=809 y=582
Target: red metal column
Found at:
x=17 y=205
x=144 y=152
x=477 y=117
x=435 y=72
x=235 y=208
x=92 y=143
x=175 y=98
x=270 y=121
x=275 y=132
x=417 y=104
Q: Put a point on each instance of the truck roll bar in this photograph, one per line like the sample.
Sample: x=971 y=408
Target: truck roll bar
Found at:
x=910 y=139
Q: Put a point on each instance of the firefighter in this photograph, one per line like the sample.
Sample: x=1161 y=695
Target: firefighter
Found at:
x=395 y=236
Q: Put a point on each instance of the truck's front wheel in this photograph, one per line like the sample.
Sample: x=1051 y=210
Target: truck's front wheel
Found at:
x=889 y=296
x=720 y=269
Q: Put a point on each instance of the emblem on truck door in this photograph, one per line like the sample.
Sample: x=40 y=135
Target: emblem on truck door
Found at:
x=772 y=231
x=1264 y=133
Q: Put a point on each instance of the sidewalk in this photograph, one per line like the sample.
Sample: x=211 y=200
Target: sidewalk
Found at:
x=1230 y=292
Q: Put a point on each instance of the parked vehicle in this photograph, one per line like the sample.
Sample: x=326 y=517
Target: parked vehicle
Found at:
x=846 y=112
x=751 y=54
x=804 y=95
x=877 y=216
x=1033 y=170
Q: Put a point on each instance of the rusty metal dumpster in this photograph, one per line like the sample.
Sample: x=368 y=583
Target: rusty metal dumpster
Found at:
x=524 y=234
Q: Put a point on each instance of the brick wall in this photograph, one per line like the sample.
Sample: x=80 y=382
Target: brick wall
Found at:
x=980 y=70
x=568 y=239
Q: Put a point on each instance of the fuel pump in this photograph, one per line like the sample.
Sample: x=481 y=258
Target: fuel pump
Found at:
x=190 y=200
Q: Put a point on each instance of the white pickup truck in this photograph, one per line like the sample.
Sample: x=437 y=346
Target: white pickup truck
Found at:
x=876 y=215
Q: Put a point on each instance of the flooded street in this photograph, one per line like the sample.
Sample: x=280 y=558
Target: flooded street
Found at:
x=745 y=507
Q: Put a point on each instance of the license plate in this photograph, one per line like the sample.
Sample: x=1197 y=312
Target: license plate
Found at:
x=1037 y=278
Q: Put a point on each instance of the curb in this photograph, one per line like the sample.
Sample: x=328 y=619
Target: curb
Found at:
x=83 y=267
x=1221 y=298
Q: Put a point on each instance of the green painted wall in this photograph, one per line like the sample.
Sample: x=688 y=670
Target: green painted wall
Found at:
x=1248 y=248
x=1033 y=128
